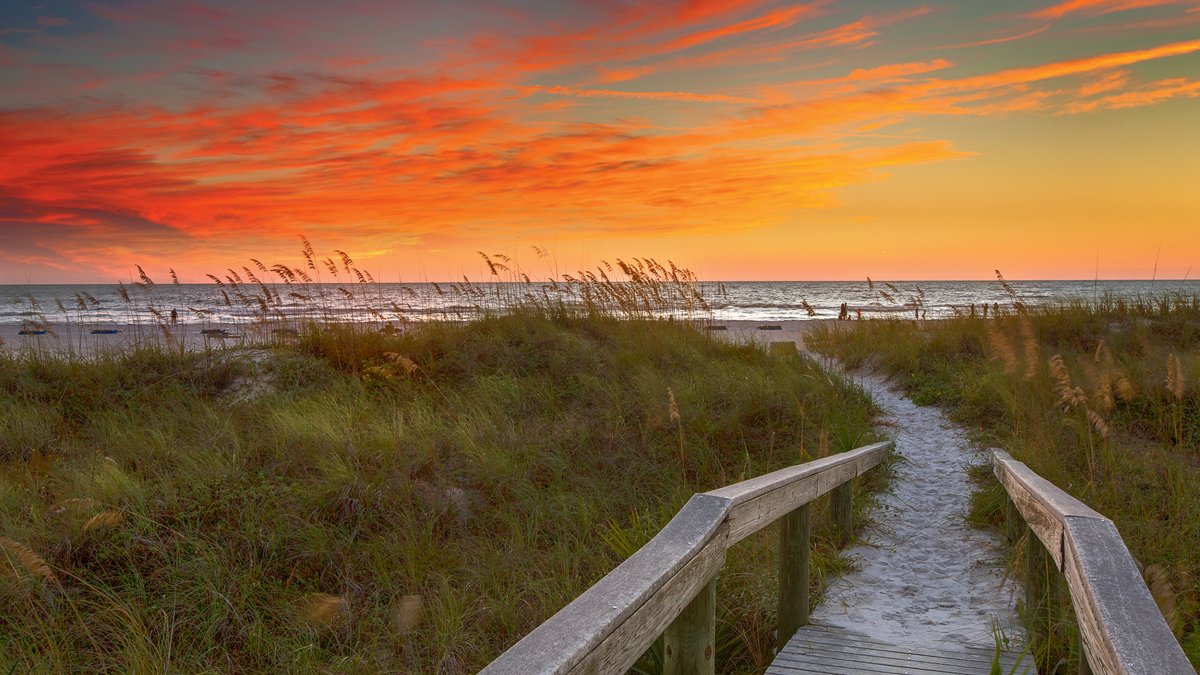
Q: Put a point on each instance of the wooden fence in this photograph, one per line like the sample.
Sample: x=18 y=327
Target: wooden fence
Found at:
x=1120 y=626
x=668 y=587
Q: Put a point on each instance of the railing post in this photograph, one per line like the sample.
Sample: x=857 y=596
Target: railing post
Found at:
x=1036 y=589
x=1012 y=521
x=690 y=641
x=841 y=510
x=795 y=531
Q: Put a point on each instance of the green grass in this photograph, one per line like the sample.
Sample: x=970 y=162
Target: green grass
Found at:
x=1127 y=442
x=285 y=509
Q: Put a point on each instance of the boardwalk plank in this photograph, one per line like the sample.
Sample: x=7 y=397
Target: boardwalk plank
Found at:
x=825 y=649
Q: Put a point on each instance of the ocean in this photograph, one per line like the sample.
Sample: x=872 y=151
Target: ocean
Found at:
x=734 y=300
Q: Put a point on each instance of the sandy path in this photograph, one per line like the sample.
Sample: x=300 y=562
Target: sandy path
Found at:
x=924 y=575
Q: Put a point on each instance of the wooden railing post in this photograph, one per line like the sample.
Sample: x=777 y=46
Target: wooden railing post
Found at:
x=795 y=531
x=1036 y=589
x=690 y=641
x=1012 y=521
x=841 y=511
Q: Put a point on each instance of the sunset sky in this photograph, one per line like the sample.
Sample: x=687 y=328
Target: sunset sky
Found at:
x=741 y=139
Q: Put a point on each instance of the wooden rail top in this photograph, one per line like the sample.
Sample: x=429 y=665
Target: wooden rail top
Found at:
x=1122 y=629
x=609 y=626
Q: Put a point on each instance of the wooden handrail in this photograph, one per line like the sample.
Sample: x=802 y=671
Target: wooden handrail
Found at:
x=1121 y=627
x=609 y=626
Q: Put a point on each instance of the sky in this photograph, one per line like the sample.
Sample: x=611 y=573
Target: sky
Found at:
x=742 y=139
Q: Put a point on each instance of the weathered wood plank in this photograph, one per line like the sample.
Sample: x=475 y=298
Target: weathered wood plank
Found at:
x=754 y=487
x=629 y=640
x=1012 y=522
x=1036 y=590
x=566 y=638
x=795 y=535
x=758 y=502
x=689 y=643
x=970 y=652
x=817 y=648
x=1041 y=503
x=1121 y=626
x=751 y=516
x=612 y=623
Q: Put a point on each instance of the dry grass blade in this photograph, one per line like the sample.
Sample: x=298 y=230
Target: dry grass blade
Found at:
x=1098 y=423
x=104 y=519
x=18 y=555
x=403 y=361
x=322 y=609
x=1174 y=381
x=407 y=613
x=1000 y=348
x=1125 y=389
x=1032 y=352
x=1068 y=394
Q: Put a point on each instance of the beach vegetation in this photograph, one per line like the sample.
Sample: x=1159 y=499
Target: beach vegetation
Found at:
x=346 y=498
x=1101 y=397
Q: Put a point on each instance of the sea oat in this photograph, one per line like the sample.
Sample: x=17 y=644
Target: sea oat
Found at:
x=104 y=519
x=407 y=613
x=1068 y=394
x=403 y=361
x=322 y=609
x=1031 y=346
x=1098 y=423
x=1001 y=349
x=14 y=555
x=1125 y=389
x=1174 y=381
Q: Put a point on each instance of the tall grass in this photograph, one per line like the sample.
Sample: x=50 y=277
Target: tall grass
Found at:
x=1102 y=398
x=269 y=303
x=351 y=499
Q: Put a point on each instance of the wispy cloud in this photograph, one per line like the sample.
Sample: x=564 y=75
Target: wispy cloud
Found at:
x=643 y=95
x=1092 y=7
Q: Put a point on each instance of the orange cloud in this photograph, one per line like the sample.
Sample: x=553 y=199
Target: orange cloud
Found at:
x=1070 y=67
x=1155 y=92
x=1068 y=7
x=780 y=18
x=643 y=95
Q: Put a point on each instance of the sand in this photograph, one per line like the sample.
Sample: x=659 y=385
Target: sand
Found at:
x=924 y=576
x=79 y=341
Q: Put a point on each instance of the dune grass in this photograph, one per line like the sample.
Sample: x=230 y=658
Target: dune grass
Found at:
x=1102 y=398
x=358 y=501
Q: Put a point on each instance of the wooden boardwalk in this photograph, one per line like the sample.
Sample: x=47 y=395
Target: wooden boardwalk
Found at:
x=666 y=591
x=826 y=650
